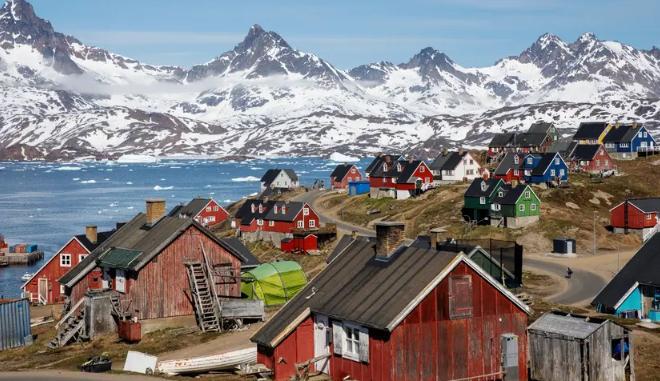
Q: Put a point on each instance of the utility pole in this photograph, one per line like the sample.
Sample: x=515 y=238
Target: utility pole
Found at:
x=595 y=214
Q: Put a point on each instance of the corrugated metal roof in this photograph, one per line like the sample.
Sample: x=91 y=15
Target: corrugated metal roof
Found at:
x=565 y=325
x=119 y=258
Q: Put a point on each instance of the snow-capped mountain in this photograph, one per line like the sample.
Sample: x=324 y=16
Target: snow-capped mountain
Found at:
x=62 y=99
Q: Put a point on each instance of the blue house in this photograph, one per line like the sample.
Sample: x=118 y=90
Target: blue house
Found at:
x=545 y=168
x=628 y=139
x=634 y=292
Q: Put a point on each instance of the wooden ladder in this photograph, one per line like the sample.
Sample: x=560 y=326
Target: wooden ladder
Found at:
x=206 y=305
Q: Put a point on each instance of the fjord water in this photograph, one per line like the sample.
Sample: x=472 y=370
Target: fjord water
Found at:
x=48 y=203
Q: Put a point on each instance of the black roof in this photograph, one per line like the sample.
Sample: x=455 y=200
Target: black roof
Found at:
x=540 y=128
x=622 y=133
x=396 y=168
x=246 y=215
x=590 y=130
x=343 y=243
x=509 y=163
x=100 y=238
x=642 y=267
x=272 y=174
x=358 y=287
x=138 y=236
x=648 y=205
x=585 y=152
x=378 y=159
x=544 y=163
x=341 y=171
x=511 y=194
x=238 y=249
x=407 y=170
x=191 y=209
x=527 y=139
x=447 y=161
x=475 y=189
x=502 y=139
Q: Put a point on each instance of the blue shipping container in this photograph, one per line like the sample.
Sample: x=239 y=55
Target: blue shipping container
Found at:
x=15 y=328
x=358 y=187
x=31 y=248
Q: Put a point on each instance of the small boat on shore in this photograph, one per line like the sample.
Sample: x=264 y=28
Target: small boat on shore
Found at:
x=26 y=276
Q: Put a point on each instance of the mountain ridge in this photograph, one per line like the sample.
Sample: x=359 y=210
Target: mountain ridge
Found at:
x=63 y=99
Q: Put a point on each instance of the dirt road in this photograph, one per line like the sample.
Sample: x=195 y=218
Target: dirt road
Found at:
x=63 y=375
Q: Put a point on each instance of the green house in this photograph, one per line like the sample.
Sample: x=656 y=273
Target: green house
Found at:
x=515 y=206
x=478 y=198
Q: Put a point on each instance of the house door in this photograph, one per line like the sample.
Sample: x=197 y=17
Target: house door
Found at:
x=322 y=343
x=42 y=291
x=107 y=279
x=569 y=247
x=120 y=280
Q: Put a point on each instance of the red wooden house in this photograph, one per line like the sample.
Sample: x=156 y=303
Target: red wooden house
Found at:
x=636 y=214
x=206 y=211
x=343 y=174
x=392 y=177
x=144 y=262
x=591 y=158
x=386 y=311
x=275 y=216
x=510 y=168
x=43 y=287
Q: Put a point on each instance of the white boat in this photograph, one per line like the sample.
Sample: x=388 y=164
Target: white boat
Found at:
x=26 y=276
x=228 y=360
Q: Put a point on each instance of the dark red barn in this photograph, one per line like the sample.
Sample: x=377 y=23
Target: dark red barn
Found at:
x=43 y=287
x=343 y=174
x=636 y=214
x=144 y=261
x=386 y=311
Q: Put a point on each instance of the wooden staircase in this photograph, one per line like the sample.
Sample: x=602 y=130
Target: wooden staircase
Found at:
x=205 y=300
x=117 y=309
x=71 y=328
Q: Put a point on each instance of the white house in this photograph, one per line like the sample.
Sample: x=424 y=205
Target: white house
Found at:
x=279 y=179
x=452 y=167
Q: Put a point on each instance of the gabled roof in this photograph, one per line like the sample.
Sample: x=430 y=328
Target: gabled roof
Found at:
x=512 y=194
x=341 y=171
x=475 y=189
x=502 y=139
x=540 y=128
x=137 y=236
x=378 y=159
x=622 y=134
x=647 y=205
x=357 y=287
x=246 y=215
x=590 y=130
x=558 y=323
x=191 y=209
x=508 y=163
x=544 y=163
x=407 y=170
x=585 y=152
x=447 y=161
x=291 y=208
x=642 y=268
x=527 y=139
x=272 y=174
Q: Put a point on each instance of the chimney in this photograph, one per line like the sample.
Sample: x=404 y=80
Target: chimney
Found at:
x=91 y=233
x=389 y=235
x=155 y=210
x=437 y=235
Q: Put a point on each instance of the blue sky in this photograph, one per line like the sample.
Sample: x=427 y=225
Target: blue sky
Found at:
x=348 y=32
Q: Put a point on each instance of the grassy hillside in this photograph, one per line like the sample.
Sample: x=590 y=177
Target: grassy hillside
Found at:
x=570 y=212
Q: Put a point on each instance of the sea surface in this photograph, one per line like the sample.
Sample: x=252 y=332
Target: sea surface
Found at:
x=47 y=203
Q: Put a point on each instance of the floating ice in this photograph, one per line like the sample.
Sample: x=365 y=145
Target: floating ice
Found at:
x=159 y=188
x=245 y=179
x=88 y=182
x=132 y=158
x=68 y=168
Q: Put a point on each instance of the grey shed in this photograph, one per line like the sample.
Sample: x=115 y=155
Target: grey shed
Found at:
x=570 y=347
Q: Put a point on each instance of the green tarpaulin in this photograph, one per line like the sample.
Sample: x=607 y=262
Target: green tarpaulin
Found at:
x=275 y=283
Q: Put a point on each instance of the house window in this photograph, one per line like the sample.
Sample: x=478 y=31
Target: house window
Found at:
x=500 y=194
x=271 y=223
x=482 y=200
x=528 y=194
x=649 y=216
x=384 y=167
x=312 y=223
x=275 y=209
x=471 y=162
x=553 y=173
x=556 y=161
x=521 y=207
x=561 y=172
x=62 y=291
x=305 y=211
x=530 y=160
x=460 y=297
x=422 y=169
x=81 y=257
x=532 y=206
x=208 y=208
x=65 y=260
x=516 y=160
x=216 y=208
x=260 y=222
x=496 y=207
x=515 y=172
x=210 y=219
x=301 y=224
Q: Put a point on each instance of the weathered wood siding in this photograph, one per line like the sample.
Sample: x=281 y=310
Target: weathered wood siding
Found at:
x=161 y=288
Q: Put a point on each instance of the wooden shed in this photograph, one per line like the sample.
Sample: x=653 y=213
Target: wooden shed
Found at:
x=570 y=347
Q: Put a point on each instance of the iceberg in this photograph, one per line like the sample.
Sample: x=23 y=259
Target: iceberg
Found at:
x=245 y=179
x=133 y=158
x=341 y=158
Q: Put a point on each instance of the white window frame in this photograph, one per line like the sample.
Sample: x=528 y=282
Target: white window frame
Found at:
x=521 y=207
x=64 y=263
x=260 y=222
x=354 y=341
x=528 y=194
x=422 y=169
x=305 y=211
x=556 y=161
x=312 y=223
x=208 y=209
x=300 y=224
x=482 y=200
x=532 y=207
x=649 y=216
x=553 y=173
x=271 y=223
x=81 y=257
